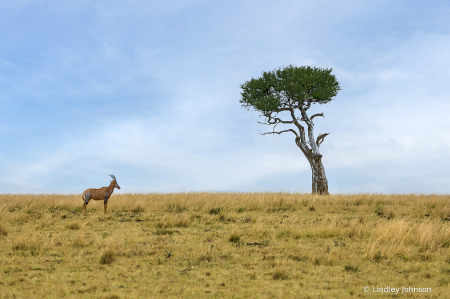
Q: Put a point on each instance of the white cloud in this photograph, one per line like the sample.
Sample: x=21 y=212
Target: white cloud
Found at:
x=154 y=90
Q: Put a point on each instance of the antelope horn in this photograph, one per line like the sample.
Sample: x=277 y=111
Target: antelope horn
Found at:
x=113 y=177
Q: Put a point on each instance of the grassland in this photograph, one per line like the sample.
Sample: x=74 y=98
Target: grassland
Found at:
x=224 y=245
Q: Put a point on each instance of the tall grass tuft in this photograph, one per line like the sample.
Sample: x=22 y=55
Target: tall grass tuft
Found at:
x=107 y=257
x=3 y=231
x=280 y=274
x=73 y=226
x=138 y=209
x=28 y=242
x=234 y=237
x=79 y=242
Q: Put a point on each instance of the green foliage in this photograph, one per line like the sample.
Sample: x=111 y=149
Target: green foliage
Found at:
x=290 y=86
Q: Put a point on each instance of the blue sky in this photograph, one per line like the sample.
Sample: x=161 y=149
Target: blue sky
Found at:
x=149 y=91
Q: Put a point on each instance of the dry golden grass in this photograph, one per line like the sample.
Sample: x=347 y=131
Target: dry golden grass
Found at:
x=223 y=245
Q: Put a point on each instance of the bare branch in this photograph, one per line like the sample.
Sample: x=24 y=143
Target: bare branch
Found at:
x=273 y=130
x=279 y=121
x=310 y=125
x=299 y=126
x=320 y=138
x=305 y=117
x=284 y=131
x=318 y=114
x=302 y=135
x=275 y=121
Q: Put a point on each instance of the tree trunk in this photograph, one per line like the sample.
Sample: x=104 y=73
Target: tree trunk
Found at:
x=319 y=179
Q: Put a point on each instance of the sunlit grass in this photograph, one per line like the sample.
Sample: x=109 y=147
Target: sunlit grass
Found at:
x=202 y=245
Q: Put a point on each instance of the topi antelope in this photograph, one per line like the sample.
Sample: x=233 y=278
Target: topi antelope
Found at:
x=100 y=194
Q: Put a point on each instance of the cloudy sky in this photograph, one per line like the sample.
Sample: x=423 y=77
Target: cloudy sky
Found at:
x=149 y=91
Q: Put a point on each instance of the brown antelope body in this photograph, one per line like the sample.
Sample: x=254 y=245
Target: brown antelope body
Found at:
x=100 y=194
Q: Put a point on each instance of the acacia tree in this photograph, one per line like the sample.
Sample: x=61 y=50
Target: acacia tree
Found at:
x=292 y=90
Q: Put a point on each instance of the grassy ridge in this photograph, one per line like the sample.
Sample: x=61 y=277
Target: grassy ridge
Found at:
x=204 y=245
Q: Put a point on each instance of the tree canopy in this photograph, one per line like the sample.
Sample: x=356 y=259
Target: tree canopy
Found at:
x=288 y=88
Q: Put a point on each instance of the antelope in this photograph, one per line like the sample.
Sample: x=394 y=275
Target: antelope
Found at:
x=100 y=194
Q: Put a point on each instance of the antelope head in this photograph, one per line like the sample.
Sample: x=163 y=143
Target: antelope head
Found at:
x=114 y=181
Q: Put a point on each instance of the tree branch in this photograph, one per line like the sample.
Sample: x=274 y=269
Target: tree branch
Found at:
x=318 y=114
x=275 y=120
x=320 y=138
x=299 y=126
x=307 y=120
x=284 y=131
